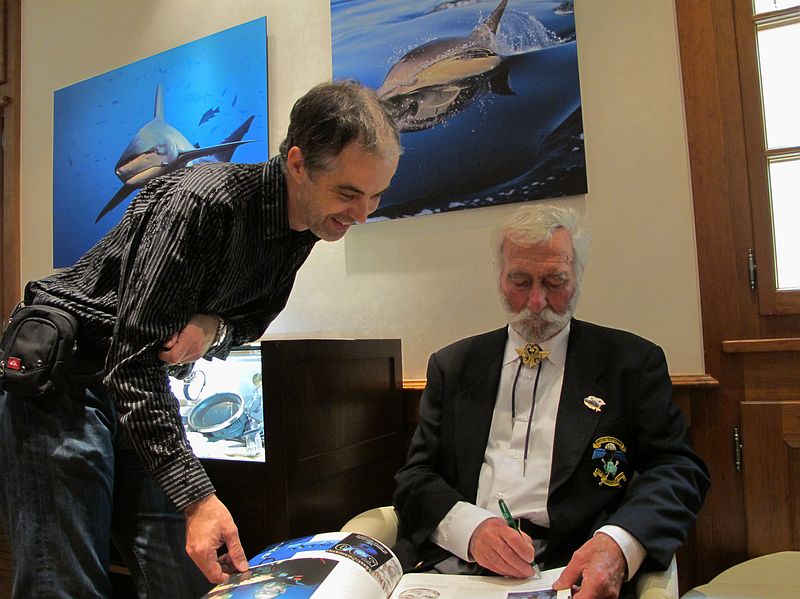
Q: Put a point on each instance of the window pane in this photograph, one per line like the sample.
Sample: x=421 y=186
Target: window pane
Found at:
x=778 y=49
x=770 y=5
x=785 y=187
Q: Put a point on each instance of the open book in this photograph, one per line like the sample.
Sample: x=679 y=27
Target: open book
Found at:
x=343 y=565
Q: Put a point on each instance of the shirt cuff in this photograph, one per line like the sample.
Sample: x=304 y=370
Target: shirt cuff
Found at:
x=632 y=549
x=184 y=481
x=455 y=530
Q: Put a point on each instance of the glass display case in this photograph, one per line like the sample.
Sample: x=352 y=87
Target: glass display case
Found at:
x=222 y=408
x=331 y=417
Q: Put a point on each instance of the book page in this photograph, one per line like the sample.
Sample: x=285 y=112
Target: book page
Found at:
x=450 y=586
x=337 y=565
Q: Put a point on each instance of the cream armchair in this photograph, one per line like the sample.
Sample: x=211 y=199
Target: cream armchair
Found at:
x=381 y=523
x=772 y=576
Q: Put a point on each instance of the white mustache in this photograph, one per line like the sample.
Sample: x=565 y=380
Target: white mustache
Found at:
x=540 y=326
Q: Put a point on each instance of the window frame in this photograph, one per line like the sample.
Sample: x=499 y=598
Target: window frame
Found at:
x=771 y=300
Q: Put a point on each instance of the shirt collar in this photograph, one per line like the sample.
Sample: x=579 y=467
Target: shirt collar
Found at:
x=557 y=346
x=277 y=196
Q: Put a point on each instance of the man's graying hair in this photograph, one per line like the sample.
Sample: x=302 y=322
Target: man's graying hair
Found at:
x=534 y=224
x=333 y=114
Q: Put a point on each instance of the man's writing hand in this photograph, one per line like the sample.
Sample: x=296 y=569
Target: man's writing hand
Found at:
x=601 y=564
x=501 y=549
x=192 y=342
x=209 y=526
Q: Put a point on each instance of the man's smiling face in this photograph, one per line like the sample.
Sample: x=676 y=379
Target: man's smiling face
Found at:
x=329 y=201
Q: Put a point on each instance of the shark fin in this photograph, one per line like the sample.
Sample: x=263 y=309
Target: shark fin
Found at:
x=237 y=135
x=186 y=157
x=121 y=194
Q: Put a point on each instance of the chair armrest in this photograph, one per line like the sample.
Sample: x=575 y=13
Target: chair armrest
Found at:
x=659 y=585
x=379 y=523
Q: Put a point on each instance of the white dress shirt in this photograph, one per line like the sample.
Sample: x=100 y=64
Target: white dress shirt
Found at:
x=523 y=484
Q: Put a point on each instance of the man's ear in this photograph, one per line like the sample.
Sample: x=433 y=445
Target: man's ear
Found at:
x=294 y=163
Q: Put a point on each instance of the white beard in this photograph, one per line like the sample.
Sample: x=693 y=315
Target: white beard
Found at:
x=536 y=327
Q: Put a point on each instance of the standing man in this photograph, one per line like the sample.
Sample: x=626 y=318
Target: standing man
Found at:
x=571 y=424
x=204 y=258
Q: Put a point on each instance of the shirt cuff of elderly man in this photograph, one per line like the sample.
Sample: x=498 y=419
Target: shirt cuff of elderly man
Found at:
x=456 y=529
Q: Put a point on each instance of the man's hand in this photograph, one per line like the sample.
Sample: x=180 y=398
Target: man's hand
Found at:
x=602 y=565
x=192 y=342
x=501 y=549
x=208 y=526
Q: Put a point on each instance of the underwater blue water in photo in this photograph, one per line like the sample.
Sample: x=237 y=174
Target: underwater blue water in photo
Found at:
x=202 y=101
x=486 y=93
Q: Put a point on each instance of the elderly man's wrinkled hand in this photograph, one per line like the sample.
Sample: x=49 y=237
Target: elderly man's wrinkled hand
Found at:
x=501 y=549
x=599 y=567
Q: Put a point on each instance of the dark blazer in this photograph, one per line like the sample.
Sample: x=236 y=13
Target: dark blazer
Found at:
x=665 y=482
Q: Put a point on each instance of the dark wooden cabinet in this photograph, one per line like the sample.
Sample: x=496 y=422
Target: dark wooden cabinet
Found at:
x=333 y=423
x=770 y=443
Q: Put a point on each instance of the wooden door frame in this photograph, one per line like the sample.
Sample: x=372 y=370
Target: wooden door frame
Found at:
x=10 y=31
x=715 y=123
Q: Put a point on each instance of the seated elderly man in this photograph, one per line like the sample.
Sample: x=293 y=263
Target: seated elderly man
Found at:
x=571 y=424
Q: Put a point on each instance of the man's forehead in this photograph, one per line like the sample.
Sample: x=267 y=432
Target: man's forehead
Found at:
x=557 y=250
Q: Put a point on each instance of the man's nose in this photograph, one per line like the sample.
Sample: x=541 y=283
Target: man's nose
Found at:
x=537 y=300
x=359 y=210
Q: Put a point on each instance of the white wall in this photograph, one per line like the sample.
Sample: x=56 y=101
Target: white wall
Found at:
x=427 y=280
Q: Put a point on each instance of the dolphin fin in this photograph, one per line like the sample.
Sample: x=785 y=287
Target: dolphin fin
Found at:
x=500 y=83
x=493 y=20
x=122 y=193
x=158 y=110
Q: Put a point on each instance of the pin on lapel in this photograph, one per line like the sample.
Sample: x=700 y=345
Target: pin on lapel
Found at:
x=594 y=403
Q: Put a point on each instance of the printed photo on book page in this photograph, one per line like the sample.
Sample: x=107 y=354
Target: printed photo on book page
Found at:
x=327 y=565
x=450 y=586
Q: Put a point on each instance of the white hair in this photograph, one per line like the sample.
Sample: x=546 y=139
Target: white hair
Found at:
x=537 y=223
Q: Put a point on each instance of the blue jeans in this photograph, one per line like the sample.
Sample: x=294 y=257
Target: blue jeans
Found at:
x=70 y=484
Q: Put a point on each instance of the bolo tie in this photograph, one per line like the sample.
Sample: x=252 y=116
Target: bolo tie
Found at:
x=529 y=356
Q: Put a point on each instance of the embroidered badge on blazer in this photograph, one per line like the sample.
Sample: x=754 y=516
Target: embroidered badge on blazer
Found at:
x=608 y=453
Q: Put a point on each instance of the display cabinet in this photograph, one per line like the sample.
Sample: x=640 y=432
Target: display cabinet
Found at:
x=332 y=423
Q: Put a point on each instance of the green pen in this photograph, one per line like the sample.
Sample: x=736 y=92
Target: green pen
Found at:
x=515 y=525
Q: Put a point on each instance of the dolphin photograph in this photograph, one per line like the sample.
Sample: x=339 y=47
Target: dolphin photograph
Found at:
x=486 y=94
x=204 y=101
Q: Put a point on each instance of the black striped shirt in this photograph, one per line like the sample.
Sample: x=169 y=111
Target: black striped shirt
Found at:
x=213 y=239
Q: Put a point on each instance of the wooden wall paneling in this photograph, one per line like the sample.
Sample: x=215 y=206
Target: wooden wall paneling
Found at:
x=723 y=228
x=10 y=31
x=770 y=418
x=773 y=376
x=771 y=436
x=9 y=179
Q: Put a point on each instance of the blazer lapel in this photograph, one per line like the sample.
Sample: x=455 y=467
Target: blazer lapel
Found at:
x=474 y=406
x=575 y=423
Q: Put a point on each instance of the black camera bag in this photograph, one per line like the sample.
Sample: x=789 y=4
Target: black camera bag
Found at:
x=37 y=350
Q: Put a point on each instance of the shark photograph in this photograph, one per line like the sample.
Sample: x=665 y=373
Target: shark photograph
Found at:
x=486 y=94
x=159 y=148
x=200 y=102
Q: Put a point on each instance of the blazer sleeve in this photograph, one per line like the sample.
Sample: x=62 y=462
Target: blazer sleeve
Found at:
x=663 y=499
x=424 y=495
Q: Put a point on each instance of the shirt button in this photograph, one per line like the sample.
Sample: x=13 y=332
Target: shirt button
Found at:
x=516 y=456
x=524 y=418
x=499 y=495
